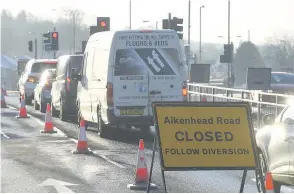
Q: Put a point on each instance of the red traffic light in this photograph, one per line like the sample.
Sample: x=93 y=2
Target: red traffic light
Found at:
x=103 y=24
x=54 y=35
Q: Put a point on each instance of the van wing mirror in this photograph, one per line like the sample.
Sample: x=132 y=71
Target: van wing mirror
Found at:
x=75 y=75
x=268 y=119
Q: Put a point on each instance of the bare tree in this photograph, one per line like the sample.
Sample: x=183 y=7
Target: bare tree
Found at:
x=279 y=53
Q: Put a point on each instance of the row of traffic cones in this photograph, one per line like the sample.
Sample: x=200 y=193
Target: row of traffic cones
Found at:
x=141 y=178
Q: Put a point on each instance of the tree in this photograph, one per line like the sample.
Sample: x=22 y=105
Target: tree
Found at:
x=247 y=55
x=279 y=53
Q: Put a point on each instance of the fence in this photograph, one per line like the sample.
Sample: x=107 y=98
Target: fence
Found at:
x=262 y=103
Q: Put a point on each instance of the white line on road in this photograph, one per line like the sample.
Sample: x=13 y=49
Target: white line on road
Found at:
x=4 y=135
x=112 y=162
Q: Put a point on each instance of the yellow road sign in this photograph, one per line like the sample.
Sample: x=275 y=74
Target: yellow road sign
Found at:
x=205 y=135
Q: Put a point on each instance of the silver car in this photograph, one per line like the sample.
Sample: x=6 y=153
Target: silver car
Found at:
x=31 y=75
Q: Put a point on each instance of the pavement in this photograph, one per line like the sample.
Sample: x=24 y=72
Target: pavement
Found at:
x=32 y=162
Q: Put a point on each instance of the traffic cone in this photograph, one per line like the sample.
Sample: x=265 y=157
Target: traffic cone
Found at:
x=48 y=121
x=3 y=103
x=141 y=180
x=269 y=183
x=22 y=109
x=82 y=146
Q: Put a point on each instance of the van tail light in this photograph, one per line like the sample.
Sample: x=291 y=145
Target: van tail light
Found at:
x=48 y=85
x=68 y=84
x=32 y=79
x=109 y=94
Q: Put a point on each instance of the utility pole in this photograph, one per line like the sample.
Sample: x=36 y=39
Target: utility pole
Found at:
x=42 y=46
x=130 y=9
x=189 y=21
x=36 y=48
x=74 y=32
x=229 y=41
x=156 y=25
x=169 y=21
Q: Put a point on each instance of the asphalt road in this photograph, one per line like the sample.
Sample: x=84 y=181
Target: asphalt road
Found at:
x=29 y=158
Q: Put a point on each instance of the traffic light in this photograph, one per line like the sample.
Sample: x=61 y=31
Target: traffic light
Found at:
x=103 y=24
x=31 y=46
x=54 y=41
x=47 y=38
x=84 y=43
x=176 y=24
x=227 y=57
x=165 y=24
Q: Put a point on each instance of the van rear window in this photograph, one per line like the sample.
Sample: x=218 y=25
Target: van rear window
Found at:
x=159 y=61
x=40 y=67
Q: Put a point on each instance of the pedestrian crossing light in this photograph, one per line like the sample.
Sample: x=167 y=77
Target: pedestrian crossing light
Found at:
x=103 y=24
x=54 y=41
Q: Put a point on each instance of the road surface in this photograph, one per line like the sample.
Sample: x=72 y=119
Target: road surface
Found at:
x=35 y=162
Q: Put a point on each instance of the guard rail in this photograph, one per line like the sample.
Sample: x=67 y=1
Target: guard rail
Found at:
x=262 y=103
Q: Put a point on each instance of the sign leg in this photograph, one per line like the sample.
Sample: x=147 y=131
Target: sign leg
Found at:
x=243 y=181
x=163 y=180
x=152 y=162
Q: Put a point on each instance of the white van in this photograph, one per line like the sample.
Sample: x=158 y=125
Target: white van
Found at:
x=124 y=72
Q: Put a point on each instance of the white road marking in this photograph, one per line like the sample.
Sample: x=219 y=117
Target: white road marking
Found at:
x=60 y=186
x=74 y=140
x=112 y=162
x=4 y=135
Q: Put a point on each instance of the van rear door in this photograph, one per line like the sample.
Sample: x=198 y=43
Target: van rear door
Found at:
x=147 y=69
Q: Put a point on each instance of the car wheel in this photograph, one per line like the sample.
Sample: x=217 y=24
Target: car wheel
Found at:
x=28 y=101
x=36 y=105
x=103 y=130
x=62 y=113
x=264 y=170
x=53 y=111
x=43 y=106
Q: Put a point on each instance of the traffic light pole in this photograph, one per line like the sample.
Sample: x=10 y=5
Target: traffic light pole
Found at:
x=169 y=21
x=229 y=41
x=36 y=48
x=54 y=53
x=189 y=20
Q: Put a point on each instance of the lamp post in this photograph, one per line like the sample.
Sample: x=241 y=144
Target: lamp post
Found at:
x=200 y=43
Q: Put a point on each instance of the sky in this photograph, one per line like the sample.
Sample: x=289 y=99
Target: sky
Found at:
x=264 y=18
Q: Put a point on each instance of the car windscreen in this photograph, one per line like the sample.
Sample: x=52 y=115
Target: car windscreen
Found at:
x=282 y=79
x=42 y=66
x=137 y=61
x=76 y=63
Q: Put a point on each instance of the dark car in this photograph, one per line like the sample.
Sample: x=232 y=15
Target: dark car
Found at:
x=64 y=89
x=275 y=144
x=42 y=92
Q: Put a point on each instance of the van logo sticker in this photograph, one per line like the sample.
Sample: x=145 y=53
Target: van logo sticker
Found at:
x=155 y=61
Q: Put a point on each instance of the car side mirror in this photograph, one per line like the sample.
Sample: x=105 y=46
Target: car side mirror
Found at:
x=268 y=119
x=75 y=75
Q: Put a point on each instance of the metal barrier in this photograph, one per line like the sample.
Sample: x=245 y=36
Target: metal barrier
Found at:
x=262 y=103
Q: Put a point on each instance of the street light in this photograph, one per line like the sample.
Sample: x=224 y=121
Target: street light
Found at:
x=200 y=44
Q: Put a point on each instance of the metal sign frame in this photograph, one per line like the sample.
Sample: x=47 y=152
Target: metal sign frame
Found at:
x=157 y=142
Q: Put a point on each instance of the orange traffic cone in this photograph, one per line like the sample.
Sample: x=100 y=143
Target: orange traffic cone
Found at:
x=141 y=180
x=82 y=147
x=269 y=183
x=22 y=109
x=3 y=103
x=48 y=121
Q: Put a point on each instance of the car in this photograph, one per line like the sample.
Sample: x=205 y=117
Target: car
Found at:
x=31 y=75
x=64 y=89
x=275 y=146
x=42 y=92
x=124 y=72
x=281 y=83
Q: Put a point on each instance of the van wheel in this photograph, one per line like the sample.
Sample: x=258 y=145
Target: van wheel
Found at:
x=102 y=128
x=53 y=111
x=62 y=114
x=43 y=106
x=36 y=105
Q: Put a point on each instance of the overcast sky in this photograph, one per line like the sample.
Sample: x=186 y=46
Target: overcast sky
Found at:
x=264 y=18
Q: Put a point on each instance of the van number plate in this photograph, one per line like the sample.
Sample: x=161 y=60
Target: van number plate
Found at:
x=137 y=112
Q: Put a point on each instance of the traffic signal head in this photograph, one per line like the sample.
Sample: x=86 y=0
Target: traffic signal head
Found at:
x=103 y=24
x=54 y=41
x=46 y=38
x=176 y=24
x=31 y=46
x=165 y=24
